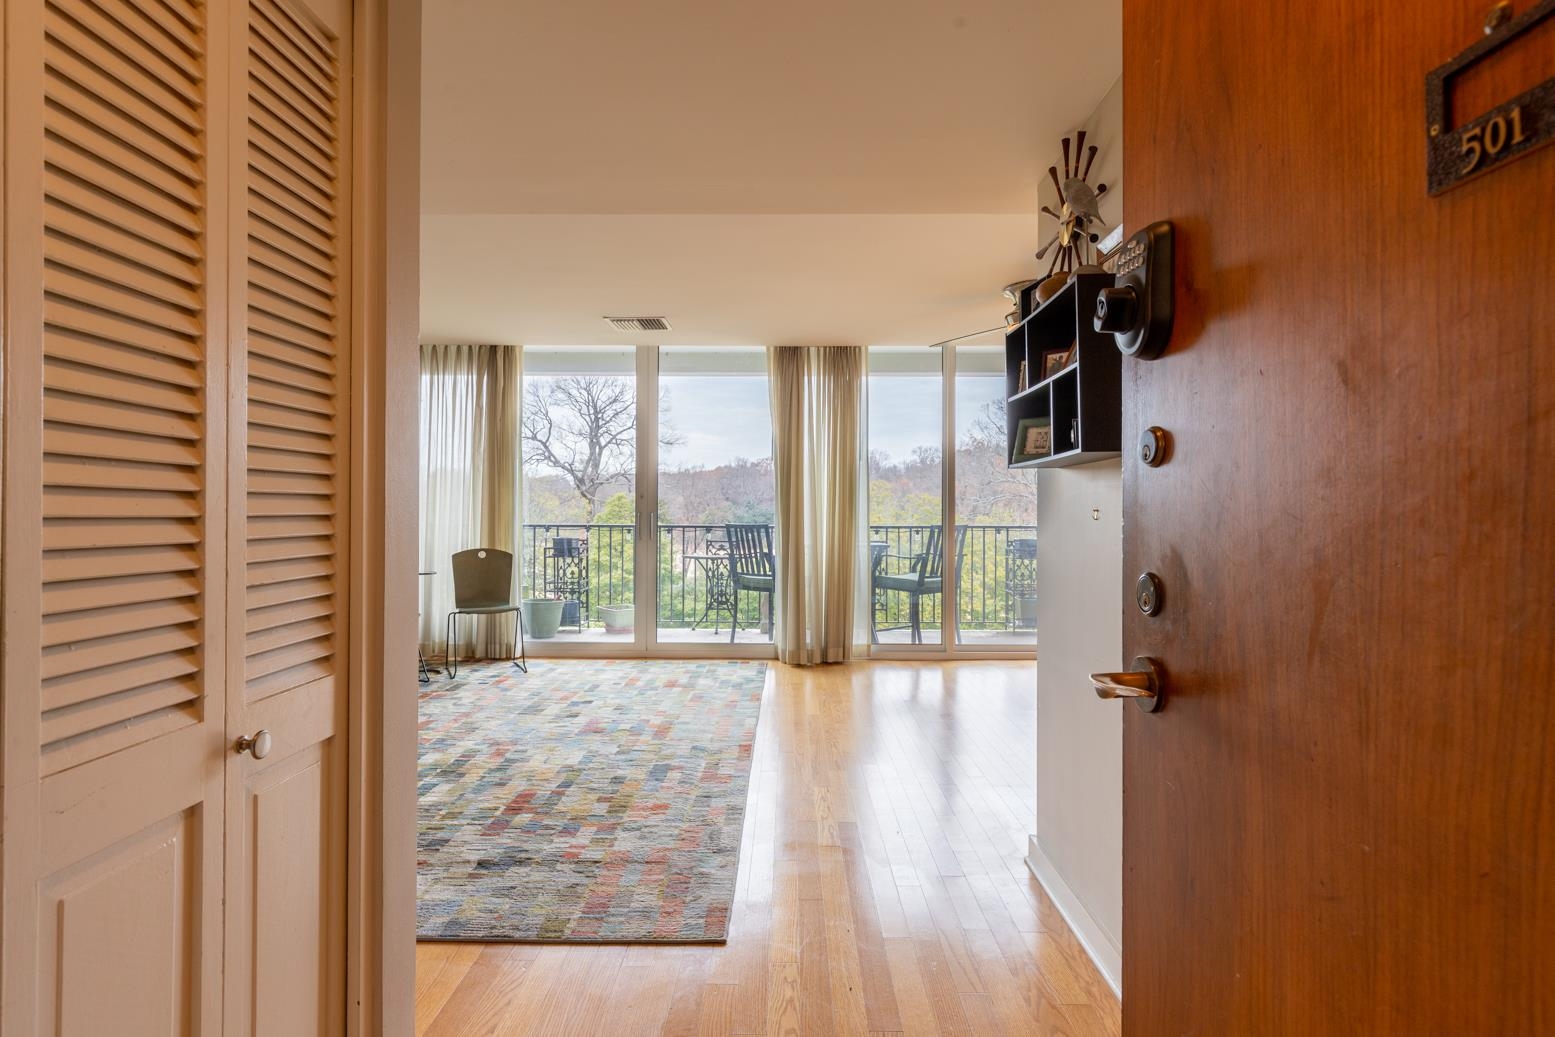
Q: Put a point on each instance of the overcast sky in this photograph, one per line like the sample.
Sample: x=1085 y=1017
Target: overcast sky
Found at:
x=722 y=418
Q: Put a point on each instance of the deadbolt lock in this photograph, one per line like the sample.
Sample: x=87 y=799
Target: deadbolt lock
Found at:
x=1152 y=446
x=1147 y=594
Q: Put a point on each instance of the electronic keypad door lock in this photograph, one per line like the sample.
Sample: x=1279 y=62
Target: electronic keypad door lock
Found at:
x=1137 y=309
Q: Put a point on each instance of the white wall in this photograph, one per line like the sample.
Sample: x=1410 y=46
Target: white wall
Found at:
x=1104 y=129
x=1077 y=850
x=1079 y=839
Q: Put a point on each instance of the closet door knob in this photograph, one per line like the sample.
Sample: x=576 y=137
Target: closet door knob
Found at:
x=257 y=744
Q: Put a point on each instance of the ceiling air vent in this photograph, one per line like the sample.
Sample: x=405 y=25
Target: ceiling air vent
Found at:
x=638 y=323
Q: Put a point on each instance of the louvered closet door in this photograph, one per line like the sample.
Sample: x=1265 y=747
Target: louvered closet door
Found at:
x=286 y=845
x=114 y=529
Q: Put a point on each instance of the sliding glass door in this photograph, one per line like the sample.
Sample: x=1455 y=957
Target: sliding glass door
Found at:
x=715 y=502
x=995 y=514
x=906 y=497
x=647 y=499
x=952 y=557
x=648 y=502
x=578 y=539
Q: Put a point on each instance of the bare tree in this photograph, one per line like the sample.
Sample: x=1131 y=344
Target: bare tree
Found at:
x=586 y=429
x=984 y=481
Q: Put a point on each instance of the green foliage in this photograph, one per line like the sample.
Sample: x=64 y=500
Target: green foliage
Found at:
x=894 y=504
x=618 y=510
x=901 y=492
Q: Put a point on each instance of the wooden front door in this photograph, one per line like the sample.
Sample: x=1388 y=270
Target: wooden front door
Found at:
x=174 y=505
x=1343 y=820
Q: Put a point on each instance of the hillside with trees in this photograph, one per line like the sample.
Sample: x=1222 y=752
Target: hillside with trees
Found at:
x=580 y=452
x=579 y=456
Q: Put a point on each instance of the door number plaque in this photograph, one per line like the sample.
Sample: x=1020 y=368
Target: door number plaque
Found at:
x=1459 y=150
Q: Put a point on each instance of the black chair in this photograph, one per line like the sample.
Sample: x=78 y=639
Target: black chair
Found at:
x=922 y=577
x=483 y=586
x=751 y=565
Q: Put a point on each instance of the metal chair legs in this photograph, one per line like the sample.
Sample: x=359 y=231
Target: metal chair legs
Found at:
x=734 y=616
x=449 y=663
x=521 y=660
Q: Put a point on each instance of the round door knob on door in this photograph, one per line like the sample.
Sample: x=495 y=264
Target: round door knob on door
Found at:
x=1142 y=684
x=257 y=744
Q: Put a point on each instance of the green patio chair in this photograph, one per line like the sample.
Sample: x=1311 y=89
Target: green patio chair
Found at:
x=920 y=579
x=483 y=586
x=751 y=565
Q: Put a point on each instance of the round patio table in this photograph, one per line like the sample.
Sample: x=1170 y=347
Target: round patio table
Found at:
x=720 y=588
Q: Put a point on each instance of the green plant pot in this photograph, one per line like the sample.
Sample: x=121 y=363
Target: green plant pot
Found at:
x=542 y=617
x=619 y=619
x=1026 y=611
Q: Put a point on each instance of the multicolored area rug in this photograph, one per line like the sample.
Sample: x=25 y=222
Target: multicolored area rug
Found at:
x=584 y=801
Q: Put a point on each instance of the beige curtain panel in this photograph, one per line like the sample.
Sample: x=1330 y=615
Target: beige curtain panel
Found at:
x=469 y=482
x=816 y=394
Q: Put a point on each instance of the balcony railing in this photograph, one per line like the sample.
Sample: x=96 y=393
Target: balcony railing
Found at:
x=997 y=585
x=592 y=565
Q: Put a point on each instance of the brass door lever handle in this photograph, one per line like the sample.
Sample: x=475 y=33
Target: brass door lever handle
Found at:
x=1142 y=684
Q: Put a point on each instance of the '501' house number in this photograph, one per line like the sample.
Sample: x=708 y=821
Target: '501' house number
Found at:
x=1506 y=132
x=1490 y=139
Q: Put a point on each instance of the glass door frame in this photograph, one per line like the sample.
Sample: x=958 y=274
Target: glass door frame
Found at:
x=647 y=551
x=645 y=641
x=560 y=647
x=950 y=618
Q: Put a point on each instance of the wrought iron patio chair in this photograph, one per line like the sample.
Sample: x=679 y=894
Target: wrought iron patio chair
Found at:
x=751 y=565
x=922 y=577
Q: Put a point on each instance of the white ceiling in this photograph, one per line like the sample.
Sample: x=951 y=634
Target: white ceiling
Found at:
x=853 y=171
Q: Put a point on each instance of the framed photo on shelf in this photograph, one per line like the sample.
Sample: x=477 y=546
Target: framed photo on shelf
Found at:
x=1033 y=439
x=1057 y=360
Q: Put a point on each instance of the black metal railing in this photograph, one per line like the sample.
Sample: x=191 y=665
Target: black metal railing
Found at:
x=592 y=565
x=587 y=566
x=996 y=589
x=694 y=583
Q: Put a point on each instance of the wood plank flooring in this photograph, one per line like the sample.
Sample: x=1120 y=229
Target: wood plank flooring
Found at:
x=881 y=889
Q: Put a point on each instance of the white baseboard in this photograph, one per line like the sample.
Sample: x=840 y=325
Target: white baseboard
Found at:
x=1106 y=954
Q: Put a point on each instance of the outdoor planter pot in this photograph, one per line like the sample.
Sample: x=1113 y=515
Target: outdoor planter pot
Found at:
x=542 y=617
x=619 y=619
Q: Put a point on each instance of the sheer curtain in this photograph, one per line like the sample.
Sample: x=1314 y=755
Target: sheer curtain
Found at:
x=815 y=429
x=469 y=481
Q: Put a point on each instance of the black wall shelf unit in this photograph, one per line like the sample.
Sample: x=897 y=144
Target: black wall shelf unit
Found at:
x=1083 y=403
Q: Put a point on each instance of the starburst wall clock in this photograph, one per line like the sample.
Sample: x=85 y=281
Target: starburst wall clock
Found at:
x=1078 y=218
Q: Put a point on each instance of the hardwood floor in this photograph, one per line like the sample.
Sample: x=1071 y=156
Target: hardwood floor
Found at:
x=881 y=888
